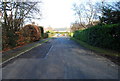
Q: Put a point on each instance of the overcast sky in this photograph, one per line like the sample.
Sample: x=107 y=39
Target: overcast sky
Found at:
x=59 y=13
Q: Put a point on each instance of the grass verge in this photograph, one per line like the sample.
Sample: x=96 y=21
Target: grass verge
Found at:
x=112 y=55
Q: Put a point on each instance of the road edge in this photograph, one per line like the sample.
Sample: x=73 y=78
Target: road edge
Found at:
x=3 y=62
x=98 y=51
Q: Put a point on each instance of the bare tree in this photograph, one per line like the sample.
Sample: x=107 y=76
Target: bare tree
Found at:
x=90 y=13
x=19 y=11
x=76 y=26
x=87 y=13
x=14 y=14
x=79 y=9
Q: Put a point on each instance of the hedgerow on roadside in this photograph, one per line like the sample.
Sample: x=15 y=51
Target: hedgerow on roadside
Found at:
x=105 y=36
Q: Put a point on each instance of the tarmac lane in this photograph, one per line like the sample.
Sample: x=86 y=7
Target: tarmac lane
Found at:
x=60 y=58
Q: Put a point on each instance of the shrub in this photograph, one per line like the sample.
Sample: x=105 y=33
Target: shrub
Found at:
x=105 y=36
x=42 y=31
x=46 y=35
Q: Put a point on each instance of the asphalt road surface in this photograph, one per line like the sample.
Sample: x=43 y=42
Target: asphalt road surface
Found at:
x=60 y=58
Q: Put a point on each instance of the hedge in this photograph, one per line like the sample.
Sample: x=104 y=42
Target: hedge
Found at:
x=42 y=31
x=105 y=36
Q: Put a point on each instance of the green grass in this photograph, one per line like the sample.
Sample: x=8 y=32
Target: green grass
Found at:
x=97 y=49
x=18 y=52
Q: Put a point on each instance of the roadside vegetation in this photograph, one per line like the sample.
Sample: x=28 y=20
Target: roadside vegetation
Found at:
x=110 y=54
x=15 y=32
x=103 y=37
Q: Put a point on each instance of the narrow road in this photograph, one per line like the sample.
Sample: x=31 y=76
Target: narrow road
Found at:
x=60 y=58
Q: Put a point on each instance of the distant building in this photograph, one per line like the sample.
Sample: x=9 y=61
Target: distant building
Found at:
x=76 y=26
x=96 y=22
x=93 y=24
x=65 y=29
x=48 y=29
x=61 y=29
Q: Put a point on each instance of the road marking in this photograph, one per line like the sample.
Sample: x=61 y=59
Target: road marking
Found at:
x=19 y=54
x=23 y=52
x=48 y=52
